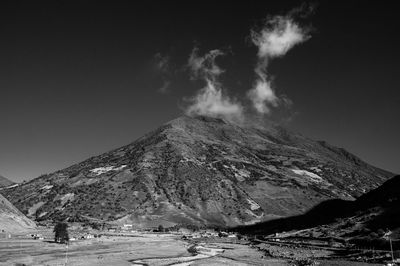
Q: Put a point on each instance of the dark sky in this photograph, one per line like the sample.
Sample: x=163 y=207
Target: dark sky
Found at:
x=78 y=78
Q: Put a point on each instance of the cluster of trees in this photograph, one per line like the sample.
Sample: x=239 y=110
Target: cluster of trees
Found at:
x=61 y=233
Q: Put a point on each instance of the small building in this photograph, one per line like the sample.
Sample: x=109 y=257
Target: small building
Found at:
x=112 y=230
x=37 y=236
x=127 y=227
x=184 y=231
x=196 y=235
x=223 y=234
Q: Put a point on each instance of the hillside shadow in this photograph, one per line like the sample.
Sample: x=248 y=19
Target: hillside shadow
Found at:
x=324 y=213
x=384 y=201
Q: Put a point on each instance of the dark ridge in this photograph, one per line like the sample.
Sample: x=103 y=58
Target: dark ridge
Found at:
x=385 y=197
x=210 y=119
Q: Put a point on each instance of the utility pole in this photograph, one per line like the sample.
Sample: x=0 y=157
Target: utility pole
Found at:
x=66 y=255
x=391 y=248
x=387 y=237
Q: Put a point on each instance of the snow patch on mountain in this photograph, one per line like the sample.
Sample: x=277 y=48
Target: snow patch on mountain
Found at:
x=16 y=185
x=47 y=187
x=313 y=177
x=67 y=197
x=32 y=210
x=240 y=174
x=253 y=205
x=192 y=160
x=103 y=170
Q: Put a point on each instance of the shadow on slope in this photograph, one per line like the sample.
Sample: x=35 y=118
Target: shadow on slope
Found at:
x=383 y=202
x=323 y=213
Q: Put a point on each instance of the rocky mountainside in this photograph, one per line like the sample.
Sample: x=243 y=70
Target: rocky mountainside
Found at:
x=364 y=221
x=4 y=182
x=203 y=171
x=11 y=219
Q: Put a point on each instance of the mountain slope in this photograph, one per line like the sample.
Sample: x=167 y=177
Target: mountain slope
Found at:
x=202 y=171
x=363 y=221
x=11 y=219
x=4 y=182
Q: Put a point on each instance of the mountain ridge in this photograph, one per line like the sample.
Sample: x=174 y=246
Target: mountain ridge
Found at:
x=363 y=221
x=200 y=170
x=5 y=182
x=11 y=219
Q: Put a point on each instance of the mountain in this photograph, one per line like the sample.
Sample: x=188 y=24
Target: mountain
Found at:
x=11 y=219
x=200 y=170
x=4 y=182
x=367 y=218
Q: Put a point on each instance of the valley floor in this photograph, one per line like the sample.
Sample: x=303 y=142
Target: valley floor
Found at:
x=141 y=249
x=138 y=249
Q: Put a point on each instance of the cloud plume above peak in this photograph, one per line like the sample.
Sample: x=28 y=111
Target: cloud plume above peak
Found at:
x=205 y=66
x=275 y=39
x=211 y=100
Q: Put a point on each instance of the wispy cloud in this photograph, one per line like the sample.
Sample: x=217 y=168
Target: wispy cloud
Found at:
x=165 y=87
x=278 y=35
x=205 y=66
x=162 y=64
x=211 y=99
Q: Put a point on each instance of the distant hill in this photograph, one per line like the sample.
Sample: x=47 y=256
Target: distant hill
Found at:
x=4 y=182
x=11 y=219
x=203 y=171
x=364 y=220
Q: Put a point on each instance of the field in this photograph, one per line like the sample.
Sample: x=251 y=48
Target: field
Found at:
x=141 y=249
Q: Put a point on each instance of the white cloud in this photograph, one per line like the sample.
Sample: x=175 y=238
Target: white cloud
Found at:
x=211 y=99
x=278 y=36
x=205 y=66
x=275 y=39
x=262 y=93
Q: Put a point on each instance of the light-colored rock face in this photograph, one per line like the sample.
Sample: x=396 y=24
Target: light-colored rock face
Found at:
x=11 y=219
x=200 y=170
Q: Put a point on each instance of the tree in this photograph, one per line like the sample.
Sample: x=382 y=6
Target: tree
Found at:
x=160 y=228
x=61 y=232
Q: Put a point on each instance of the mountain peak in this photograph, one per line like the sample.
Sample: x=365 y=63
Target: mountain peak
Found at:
x=188 y=119
x=199 y=170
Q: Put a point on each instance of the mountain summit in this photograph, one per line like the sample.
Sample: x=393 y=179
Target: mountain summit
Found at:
x=200 y=170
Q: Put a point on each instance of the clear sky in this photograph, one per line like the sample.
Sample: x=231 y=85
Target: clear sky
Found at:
x=78 y=78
